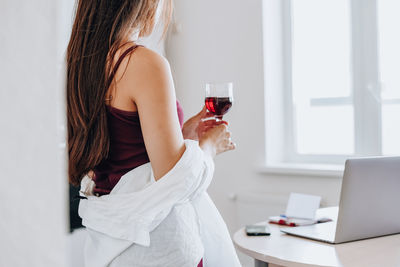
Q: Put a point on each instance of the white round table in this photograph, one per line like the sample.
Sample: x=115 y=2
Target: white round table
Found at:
x=281 y=249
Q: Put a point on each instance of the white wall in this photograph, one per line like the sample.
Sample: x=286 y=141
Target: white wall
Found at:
x=33 y=199
x=223 y=41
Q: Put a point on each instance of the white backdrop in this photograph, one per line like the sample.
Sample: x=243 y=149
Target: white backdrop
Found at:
x=33 y=187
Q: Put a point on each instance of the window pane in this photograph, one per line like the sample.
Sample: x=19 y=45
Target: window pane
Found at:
x=321 y=48
x=391 y=129
x=389 y=56
x=325 y=130
x=321 y=81
x=389 y=47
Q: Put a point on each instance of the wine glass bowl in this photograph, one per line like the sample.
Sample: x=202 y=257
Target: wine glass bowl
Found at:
x=219 y=98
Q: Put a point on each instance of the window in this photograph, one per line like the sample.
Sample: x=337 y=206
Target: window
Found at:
x=321 y=77
x=389 y=55
x=332 y=74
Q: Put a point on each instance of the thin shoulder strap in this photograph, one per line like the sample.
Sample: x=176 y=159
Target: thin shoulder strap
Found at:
x=114 y=71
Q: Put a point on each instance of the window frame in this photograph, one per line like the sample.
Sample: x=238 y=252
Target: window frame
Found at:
x=365 y=96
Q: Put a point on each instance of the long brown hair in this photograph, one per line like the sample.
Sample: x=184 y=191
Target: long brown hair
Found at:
x=99 y=29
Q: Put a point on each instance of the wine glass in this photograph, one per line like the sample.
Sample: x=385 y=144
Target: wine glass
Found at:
x=219 y=98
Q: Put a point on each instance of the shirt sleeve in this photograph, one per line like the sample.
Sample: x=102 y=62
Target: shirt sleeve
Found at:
x=132 y=215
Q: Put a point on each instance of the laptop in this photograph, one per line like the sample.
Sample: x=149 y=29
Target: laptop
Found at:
x=369 y=203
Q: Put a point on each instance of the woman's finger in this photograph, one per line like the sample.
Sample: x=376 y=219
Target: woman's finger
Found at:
x=232 y=146
x=207 y=114
x=206 y=128
x=214 y=122
x=208 y=124
x=223 y=122
x=203 y=113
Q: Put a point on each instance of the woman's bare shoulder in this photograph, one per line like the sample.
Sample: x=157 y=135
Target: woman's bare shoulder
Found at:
x=148 y=58
x=147 y=71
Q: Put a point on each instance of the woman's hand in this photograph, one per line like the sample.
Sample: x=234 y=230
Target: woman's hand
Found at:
x=195 y=126
x=213 y=135
x=216 y=140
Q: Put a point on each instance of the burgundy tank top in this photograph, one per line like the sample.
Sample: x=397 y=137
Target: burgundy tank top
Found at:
x=127 y=149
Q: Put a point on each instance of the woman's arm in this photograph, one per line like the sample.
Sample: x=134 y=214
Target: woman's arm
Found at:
x=152 y=90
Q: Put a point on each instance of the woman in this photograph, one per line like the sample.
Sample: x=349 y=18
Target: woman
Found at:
x=121 y=160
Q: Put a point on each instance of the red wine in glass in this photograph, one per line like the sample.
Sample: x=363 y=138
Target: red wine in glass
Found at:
x=218 y=106
x=219 y=98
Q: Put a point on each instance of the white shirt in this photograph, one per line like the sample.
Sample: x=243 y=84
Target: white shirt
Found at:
x=171 y=222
